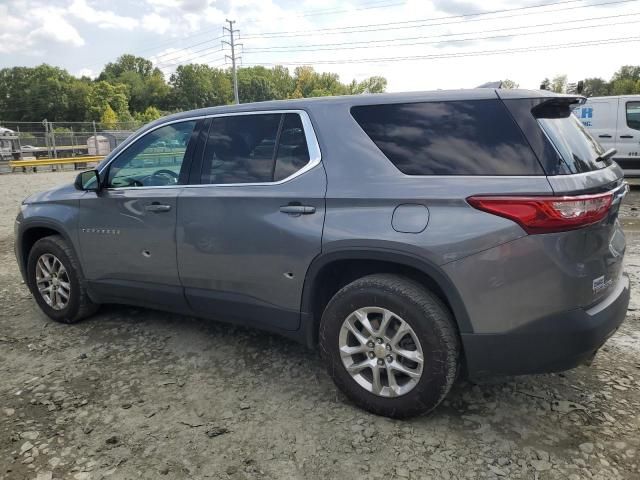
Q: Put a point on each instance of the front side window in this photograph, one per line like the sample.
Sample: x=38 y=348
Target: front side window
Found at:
x=633 y=115
x=153 y=160
x=475 y=137
x=256 y=148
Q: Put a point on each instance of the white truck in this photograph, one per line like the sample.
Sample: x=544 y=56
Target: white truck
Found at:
x=615 y=123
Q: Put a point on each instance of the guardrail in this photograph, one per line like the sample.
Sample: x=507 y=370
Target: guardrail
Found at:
x=42 y=162
x=54 y=161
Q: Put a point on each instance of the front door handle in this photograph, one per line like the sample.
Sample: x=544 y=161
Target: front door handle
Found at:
x=604 y=136
x=298 y=209
x=157 y=207
x=626 y=136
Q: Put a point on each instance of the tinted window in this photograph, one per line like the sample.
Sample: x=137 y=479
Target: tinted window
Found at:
x=293 y=153
x=474 y=137
x=579 y=152
x=153 y=160
x=633 y=115
x=242 y=149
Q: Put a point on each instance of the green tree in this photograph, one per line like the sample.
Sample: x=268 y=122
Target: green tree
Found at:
x=626 y=81
x=103 y=95
x=108 y=119
x=627 y=72
x=127 y=63
x=509 y=84
x=369 y=85
x=133 y=88
x=197 y=86
x=32 y=94
x=146 y=85
x=254 y=88
x=559 y=84
x=282 y=83
x=595 y=87
x=625 y=86
x=545 y=84
x=305 y=80
x=149 y=115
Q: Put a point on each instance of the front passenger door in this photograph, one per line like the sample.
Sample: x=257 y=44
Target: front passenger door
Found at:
x=127 y=230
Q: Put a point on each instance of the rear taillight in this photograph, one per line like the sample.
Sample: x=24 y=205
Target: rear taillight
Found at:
x=547 y=214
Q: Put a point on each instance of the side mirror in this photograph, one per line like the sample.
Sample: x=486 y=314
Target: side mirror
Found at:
x=88 y=181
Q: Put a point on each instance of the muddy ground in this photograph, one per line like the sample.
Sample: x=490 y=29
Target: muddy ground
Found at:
x=133 y=393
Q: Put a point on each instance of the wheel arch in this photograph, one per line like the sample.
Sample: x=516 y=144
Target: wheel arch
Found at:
x=332 y=270
x=33 y=231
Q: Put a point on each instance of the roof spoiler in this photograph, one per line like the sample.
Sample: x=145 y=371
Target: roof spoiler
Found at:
x=497 y=84
x=557 y=107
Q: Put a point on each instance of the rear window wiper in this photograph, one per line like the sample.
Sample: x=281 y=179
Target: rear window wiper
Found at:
x=606 y=155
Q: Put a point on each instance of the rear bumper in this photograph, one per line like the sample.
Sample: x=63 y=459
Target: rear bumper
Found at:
x=550 y=344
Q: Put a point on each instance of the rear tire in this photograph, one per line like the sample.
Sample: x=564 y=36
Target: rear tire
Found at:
x=56 y=281
x=416 y=369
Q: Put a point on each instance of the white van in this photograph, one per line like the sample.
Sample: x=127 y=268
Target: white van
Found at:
x=615 y=123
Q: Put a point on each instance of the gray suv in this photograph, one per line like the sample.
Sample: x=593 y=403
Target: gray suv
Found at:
x=410 y=236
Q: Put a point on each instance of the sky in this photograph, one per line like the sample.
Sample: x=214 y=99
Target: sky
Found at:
x=415 y=44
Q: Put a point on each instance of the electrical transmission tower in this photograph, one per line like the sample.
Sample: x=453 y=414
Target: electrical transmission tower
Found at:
x=233 y=57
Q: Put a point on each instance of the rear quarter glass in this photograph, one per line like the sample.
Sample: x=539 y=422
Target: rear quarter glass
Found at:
x=578 y=151
x=559 y=140
x=471 y=137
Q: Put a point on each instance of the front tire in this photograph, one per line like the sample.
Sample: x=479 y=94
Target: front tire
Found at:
x=390 y=345
x=56 y=281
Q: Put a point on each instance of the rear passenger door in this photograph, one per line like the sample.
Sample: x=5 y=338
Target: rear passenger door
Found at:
x=251 y=221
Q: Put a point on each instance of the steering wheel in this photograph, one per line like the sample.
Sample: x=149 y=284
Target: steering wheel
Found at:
x=172 y=176
x=166 y=171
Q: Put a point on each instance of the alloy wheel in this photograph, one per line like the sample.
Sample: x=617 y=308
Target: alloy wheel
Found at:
x=381 y=351
x=52 y=281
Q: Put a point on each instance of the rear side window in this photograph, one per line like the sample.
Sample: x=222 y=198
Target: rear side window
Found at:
x=293 y=153
x=577 y=149
x=254 y=148
x=475 y=137
x=633 y=115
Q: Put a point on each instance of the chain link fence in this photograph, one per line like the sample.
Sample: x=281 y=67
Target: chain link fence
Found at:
x=59 y=140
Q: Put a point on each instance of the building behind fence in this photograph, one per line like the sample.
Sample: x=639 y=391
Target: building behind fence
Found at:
x=48 y=140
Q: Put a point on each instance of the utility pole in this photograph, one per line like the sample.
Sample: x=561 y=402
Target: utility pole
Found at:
x=232 y=44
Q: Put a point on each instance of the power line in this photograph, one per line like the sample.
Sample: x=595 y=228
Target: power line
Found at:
x=459 y=54
x=343 y=10
x=164 y=65
x=310 y=14
x=172 y=53
x=368 y=44
x=187 y=47
x=427 y=21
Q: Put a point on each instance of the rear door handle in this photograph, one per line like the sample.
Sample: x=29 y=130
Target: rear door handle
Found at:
x=626 y=136
x=297 y=209
x=604 y=136
x=157 y=207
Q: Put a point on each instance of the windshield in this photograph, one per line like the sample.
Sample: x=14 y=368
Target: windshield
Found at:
x=578 y=150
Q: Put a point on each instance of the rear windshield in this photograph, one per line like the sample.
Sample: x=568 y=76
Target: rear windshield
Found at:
x=579 y=152
x=474 y=137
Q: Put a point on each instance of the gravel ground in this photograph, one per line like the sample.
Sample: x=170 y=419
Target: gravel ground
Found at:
x=134 y=393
